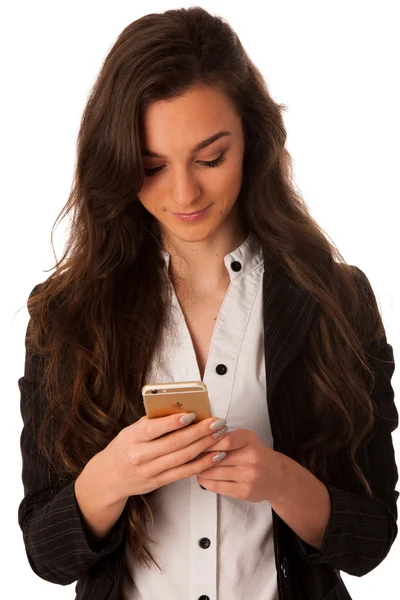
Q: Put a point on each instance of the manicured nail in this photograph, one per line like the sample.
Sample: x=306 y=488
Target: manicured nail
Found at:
x=217 y=424
x=220 y=433
x=219 y=456
x=186 y=419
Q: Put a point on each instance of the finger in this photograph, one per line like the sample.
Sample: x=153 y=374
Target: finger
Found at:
x=222 y=473
x=152 y=430
x=187 y=469
x=181 y=448
x=234 y=440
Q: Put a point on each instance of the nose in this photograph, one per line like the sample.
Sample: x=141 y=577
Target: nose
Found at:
x=185 y=188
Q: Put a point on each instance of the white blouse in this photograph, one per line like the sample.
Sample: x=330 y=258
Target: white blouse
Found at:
x=211 y=546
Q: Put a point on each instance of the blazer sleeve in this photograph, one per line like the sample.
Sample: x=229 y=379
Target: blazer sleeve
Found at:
x=54 y=533
x=361 y=530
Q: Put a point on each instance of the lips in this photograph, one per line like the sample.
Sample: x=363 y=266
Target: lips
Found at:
x=197 y=212
x=192 y=216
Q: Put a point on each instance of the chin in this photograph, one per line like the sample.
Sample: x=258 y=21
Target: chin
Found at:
x=192 y=236
x=191 y=232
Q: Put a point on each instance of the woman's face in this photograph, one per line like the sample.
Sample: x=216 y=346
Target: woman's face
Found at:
x=182 y=183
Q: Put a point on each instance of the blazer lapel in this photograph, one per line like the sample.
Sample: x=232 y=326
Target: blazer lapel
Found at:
x=288 y=313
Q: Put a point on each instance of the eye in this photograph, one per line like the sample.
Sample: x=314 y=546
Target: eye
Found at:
x=210 y=164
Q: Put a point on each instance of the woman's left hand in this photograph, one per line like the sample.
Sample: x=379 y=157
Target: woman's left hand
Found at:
x=250 y=471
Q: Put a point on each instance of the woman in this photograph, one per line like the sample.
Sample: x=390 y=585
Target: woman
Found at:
x=191 y=256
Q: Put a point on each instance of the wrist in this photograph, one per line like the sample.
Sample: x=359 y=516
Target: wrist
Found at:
x=278 y=494
x=100 y=477
x=99 y=506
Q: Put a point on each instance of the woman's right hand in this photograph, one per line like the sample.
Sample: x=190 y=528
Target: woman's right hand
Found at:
x=151 y=453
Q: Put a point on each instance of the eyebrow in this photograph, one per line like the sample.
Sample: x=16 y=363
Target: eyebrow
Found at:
x=200 y=146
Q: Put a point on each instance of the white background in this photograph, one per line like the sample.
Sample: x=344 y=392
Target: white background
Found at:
x=334 y=64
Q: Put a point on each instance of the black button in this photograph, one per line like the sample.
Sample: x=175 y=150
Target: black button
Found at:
x=203 y=597
x=284 y=567
x=203 y=488
x=221 y=369
x=236 y=266
x=204 y=543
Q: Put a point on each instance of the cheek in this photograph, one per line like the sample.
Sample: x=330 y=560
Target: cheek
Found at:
x=225 y=182
x=149 y=200
x=234 y=172
x=230 y=186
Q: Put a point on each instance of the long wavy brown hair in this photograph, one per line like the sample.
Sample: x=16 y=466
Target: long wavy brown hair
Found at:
x=96 y=321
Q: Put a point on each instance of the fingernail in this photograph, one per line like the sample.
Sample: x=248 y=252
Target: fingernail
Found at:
x=219 y=456
x=217 y=424
x=186 y=419
x=220 y=433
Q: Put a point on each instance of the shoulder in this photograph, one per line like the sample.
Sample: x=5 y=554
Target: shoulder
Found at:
x=41 y=296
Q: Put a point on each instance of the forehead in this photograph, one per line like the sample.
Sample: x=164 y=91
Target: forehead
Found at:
x=181 y=123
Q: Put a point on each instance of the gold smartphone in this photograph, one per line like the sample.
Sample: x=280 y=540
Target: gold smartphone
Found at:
x=163 y=399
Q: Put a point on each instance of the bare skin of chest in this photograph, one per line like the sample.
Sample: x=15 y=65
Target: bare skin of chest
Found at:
x=200 y=318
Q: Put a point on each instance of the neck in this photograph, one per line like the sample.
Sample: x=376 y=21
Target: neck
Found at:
x=200 y=265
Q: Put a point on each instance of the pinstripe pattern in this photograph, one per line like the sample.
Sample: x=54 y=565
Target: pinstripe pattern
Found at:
x=360 y=531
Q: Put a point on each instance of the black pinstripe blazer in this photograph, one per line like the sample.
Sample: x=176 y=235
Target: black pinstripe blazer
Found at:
x=360 y=530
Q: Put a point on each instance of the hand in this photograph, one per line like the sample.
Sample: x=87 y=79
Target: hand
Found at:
x=151 y=453
x=250 y=471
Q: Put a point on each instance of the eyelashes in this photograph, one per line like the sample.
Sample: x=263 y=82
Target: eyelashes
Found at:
x=210 y=164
